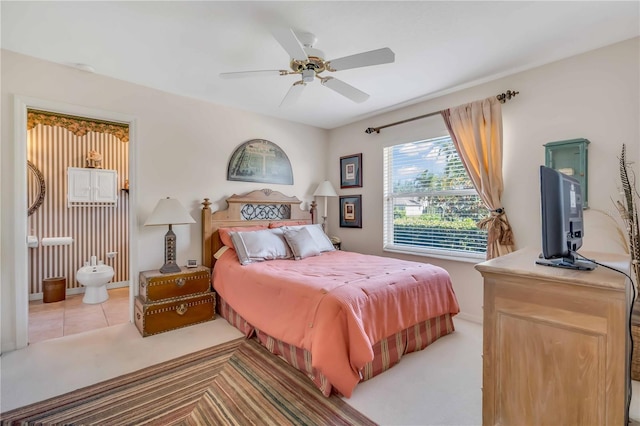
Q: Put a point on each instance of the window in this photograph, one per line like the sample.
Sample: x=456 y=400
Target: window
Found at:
x=430 y=205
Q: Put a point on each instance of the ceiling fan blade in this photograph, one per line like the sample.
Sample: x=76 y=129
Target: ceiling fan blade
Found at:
x=289 y=42
x=293 y=94
x=345 y=89
x=243 y=74
x=364 y=59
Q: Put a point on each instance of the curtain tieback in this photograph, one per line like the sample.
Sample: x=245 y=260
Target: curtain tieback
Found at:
x=497 y=227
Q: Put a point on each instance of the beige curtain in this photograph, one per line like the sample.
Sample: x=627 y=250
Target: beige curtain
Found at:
x=476 y=130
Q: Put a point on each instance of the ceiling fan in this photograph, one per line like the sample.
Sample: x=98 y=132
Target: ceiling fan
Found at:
x=309 y=63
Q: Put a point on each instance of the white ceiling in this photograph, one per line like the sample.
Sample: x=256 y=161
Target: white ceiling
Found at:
x=181 y=47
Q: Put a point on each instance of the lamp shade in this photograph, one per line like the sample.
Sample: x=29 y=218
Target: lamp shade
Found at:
x=169 y=211
x=325 y=189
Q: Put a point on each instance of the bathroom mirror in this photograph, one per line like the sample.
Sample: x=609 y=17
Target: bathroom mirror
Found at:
x=35 y=188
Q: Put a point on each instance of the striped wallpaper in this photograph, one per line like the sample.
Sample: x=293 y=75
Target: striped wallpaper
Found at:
x=95 y=230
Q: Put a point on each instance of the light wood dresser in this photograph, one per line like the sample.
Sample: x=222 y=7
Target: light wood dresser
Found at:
x=555 y=348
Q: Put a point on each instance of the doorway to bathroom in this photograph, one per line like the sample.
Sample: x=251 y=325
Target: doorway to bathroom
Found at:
x=54 y=138
x=87 y=159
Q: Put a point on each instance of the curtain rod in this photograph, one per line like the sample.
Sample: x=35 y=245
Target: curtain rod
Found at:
x=502 y=98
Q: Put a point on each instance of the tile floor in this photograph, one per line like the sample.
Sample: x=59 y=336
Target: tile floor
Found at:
x=72 y=316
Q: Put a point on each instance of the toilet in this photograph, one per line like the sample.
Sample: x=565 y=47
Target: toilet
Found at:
x=95 y=277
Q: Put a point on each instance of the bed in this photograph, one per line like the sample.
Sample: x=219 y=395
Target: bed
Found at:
x=339 y=317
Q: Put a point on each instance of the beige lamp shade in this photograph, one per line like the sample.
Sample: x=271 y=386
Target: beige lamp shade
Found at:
x=169 y=211
x=325 y=189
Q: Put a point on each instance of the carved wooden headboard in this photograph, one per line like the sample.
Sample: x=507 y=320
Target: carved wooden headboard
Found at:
x=254 y=208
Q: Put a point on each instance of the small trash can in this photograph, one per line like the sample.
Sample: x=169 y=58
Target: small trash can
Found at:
x=54 y=289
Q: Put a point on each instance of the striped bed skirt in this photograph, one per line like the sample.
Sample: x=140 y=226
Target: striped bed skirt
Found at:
x=387 y=352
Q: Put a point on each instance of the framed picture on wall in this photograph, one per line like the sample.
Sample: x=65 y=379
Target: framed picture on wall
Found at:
x=351 y=171
x=351 y=211
x=260 y=160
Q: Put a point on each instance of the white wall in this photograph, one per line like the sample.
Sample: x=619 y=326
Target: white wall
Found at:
x=183 y=149
x=594 y=95
x=184 y=146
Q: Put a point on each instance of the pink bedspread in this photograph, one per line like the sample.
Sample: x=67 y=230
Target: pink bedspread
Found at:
x=337 y=305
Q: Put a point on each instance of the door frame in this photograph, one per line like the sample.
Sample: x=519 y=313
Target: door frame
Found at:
x=21 y=104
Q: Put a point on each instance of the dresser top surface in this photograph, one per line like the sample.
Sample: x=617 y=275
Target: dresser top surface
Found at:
x=523 y=263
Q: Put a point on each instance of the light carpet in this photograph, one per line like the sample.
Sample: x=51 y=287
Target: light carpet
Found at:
x=440 y=385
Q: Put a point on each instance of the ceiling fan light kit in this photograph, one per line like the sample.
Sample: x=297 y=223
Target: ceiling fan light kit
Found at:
x=308 y=75
x=309 y=63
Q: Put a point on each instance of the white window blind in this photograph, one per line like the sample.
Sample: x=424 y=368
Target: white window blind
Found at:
x=430 y=203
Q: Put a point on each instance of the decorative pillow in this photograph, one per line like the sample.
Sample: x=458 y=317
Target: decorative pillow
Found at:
x=318 y=235
x=226 y=238
x=288 y=223
x=220 y=252
x=301 y=243
x=257 y=246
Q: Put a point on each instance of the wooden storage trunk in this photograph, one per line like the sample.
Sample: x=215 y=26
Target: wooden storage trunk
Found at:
x=155 y=286
x=157 y=317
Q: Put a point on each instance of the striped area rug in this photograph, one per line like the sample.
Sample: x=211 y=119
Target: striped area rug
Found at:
x=236 y=383
x=258 y=388
x=144 y=396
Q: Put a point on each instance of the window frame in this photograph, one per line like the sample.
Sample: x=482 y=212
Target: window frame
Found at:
x=388 y=211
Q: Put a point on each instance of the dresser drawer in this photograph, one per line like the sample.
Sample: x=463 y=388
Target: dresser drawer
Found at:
x=157 y=317
x=155 y=286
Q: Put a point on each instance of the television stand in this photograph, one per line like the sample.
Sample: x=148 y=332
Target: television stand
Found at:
x=567 y=263
x=556 y=342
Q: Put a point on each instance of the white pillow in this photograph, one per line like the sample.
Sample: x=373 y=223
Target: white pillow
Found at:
x=301 y=243
x=318 y=235
x=258 y=246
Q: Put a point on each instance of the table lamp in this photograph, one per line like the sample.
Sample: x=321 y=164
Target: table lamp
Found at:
x=170 y=212
x=325 y=189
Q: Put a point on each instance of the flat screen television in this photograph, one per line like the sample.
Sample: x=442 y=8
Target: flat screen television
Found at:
x=562 y=230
